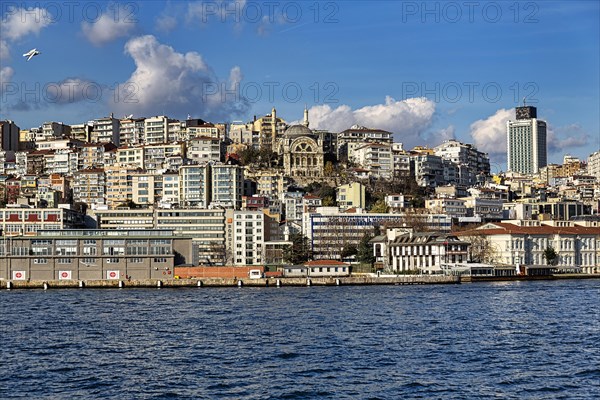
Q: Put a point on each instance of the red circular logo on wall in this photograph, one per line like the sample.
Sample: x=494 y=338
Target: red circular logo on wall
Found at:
x=64 y=274
x=113 y=274
x=18 y=275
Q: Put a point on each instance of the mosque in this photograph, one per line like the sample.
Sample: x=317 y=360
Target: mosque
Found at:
x=302 y=151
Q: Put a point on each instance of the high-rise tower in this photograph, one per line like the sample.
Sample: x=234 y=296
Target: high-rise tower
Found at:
x=526 y=142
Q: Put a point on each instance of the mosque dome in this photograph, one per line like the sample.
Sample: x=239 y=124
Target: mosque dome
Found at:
x=295 y=131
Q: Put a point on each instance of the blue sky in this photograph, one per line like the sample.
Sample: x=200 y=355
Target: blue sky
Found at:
x=427 y=71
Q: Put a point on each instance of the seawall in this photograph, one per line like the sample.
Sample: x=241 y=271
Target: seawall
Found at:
x=226 y=282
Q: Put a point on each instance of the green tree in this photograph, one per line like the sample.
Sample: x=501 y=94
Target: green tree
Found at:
x=349 y=251
x=299 y=251
x=364 y=252
x=550 y=255
x=249 y=156
x=267 y=156
x=329 y=169
x=379 y=207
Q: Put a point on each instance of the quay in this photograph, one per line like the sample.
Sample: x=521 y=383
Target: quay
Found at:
x=228 y=282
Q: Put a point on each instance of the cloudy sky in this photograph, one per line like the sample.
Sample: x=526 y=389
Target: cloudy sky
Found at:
x=427 y=71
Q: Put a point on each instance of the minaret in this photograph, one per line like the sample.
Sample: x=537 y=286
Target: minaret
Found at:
x=305 y=123
x=273 y=128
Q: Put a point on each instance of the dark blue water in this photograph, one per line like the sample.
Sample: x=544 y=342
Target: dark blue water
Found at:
x=527 y=340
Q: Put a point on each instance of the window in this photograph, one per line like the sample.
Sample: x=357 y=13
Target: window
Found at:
x=136 y=260
x=160 y=260
x=88 y=261
x=40 y=261
x=112 y=260
x=64 y=261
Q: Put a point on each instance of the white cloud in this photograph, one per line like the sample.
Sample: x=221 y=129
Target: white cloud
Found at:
x=20 y=22
x=6 y=74
x=108 y=27
x=72 y=90
x=4 y=51
x=437 y=137
x=566 y=137
x=407 y=119
x=166 y=23
x=489 y=135
x=178 y=84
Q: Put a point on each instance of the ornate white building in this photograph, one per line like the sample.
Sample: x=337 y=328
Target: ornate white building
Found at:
x=302 y=151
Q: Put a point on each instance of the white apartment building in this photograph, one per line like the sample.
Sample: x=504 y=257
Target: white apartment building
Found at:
x=105 y=130
x=356 y=136
x=245 y=236
x=131 y=131
x=131 y=157
x=194 y=185
x=163 y=156
x=593 y=164
x=227 y=185
x=170 y=194
x=64 y=162
x=205 y=148
x=454 y=208
x=375 y=157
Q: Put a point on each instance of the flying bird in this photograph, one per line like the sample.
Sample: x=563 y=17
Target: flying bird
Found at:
x=31 y=53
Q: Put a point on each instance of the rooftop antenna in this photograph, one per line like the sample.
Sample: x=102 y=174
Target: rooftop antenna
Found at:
x=524 y=104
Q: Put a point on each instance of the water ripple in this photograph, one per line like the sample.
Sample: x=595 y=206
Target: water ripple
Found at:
x=518 y=340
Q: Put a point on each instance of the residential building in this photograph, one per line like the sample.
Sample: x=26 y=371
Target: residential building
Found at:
x=205 y=149
x=245 y=236
x=131 y=131
x=194 y=186
x=356 y=136
x=375 y=157
x=130 y=157
x=82 y=132
x=472 y=165
x=15 y=221
x=105 y=130
x=593 y=165
x=454 y=208
x=270 y=128
x=227 y=185
x=351 y=195
x=428 y=169
x=89 y=187
x=9 y=136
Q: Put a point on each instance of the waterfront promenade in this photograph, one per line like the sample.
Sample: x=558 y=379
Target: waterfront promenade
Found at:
x=226 y=282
